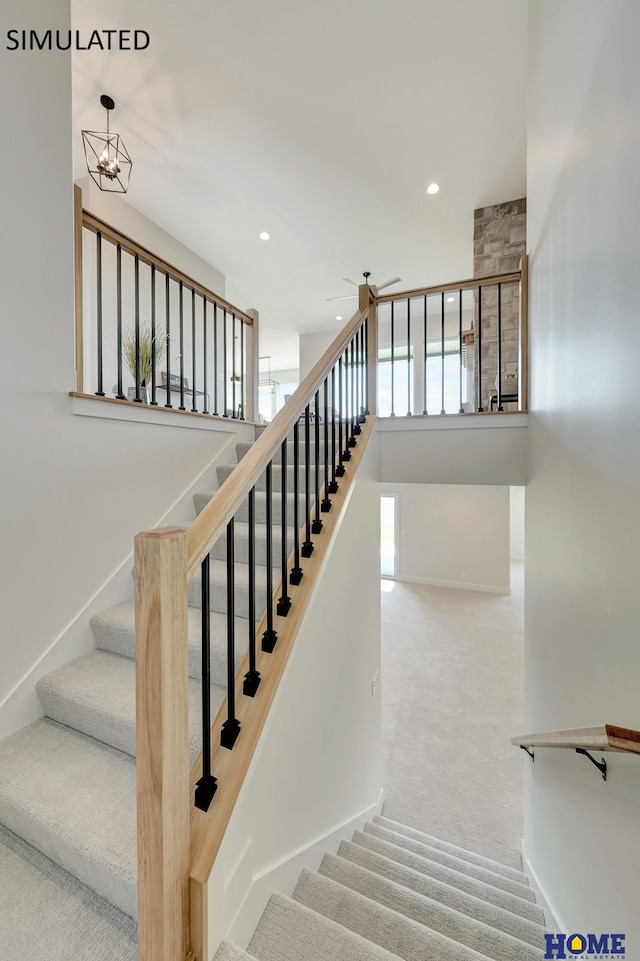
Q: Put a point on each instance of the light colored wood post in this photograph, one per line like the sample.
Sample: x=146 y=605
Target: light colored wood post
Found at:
x=162 y=745
x=523 y=365
x=253 y=365
x=77 y=246
x=367 y=297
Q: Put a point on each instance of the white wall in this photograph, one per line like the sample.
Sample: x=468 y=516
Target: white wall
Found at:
x=74 y=490
x=316 y=773
x=313 y=346
x=452 y=535
x=583 y=522
x=516 y=523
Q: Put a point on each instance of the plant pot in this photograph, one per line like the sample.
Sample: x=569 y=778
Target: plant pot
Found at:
x=145 y=394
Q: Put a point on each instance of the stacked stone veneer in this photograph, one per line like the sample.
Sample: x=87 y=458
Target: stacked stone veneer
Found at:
x=499 y=241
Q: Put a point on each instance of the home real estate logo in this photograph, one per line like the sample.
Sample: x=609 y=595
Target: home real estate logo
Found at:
x=592 y=946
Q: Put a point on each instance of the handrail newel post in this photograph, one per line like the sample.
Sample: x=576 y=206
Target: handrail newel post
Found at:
x=523 y=341
x=78 y=287
x=253 y=365
x=162 y=744
x=371 y=301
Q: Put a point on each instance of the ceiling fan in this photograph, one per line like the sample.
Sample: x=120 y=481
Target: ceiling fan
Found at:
x=366 y=275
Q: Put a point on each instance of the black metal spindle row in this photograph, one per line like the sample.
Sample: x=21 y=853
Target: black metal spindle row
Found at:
x=330 y=424
x=164 y=333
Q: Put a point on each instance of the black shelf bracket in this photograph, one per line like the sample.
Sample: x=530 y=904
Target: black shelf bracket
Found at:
x=601 y=765
x=531 y=753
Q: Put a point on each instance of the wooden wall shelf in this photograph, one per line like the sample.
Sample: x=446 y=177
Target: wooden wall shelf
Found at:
x=582 y=740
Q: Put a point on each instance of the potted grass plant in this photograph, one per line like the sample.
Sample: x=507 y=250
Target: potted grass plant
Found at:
x=146 y=341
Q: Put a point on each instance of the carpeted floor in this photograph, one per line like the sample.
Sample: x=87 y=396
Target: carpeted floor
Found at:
x=452 y=693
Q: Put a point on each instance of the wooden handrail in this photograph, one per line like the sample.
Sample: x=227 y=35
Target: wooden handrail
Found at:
x=95 y=224
x=606 y=737
x=509 y=278
x=211 y=523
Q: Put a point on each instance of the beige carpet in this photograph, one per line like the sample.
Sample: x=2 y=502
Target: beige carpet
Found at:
x=452 y=694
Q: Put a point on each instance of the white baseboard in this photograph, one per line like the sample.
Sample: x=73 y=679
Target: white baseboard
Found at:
x=460 y=585
x=552 y=917
x=281 y=876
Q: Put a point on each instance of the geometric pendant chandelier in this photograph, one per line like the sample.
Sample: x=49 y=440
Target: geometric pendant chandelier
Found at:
x=107 y=158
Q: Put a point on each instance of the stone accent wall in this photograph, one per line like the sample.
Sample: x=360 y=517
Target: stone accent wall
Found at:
x=499 y=241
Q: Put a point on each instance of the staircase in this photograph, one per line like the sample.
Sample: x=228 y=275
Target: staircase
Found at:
x=67 y=781
x=394 y=892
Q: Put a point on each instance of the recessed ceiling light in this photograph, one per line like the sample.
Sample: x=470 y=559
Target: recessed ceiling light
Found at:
x=433 y=188
x=450 y=300
x=264 y=235
x=338 y=317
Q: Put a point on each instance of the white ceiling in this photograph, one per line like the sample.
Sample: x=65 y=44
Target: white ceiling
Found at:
x=321 y=123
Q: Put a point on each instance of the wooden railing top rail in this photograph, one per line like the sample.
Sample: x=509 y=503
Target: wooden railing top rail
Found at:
x=606 y=737
x=212 y=521
x=91 y=222
x=508 y=278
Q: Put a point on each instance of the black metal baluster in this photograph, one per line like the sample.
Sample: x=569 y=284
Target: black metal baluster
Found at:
x=333 y=486
x=307 y=547
x=207 y=785
x=363 y=380
x=460 y=346
x=182 y=407
x=215 y=358
x=231 y=727
x=393 y=362
x=224 y=365
x=296 y=570
x=194 y=406
x=100 y=390
x=270 y=636
x=205 y=356
x=366 y=366
x=346 y=453
x=154 y=358
x=120 y=394
x=252 y=677
x=316 y=527
x=242 y=385
x=355 y=357
x=284 y=602
x=424 y=386
x=136 y=324
x=340 y=467
x=499 y=348
x=233 y=366
x=480 y=407
x=409 y=401
x=352 y=419
x=442 y=411
x=167 y=332
x=326 y=500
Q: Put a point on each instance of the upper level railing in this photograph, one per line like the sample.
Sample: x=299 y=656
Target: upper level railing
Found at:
x=455 y=348
x=286 y=492
x=148 y=333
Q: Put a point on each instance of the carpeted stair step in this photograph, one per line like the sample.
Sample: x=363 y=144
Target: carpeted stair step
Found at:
x=455 y=864
x=509 y=871
x=464 y=882
x=288 y=931
x=75 y=801
x=114 y=631
x=231 y=952
x=242 y=449
x=218 y=589
x=241 y=544
x=388 y=929
x=472 y=905
x=49 y=916
x=224 y=471
x=446 y=920
x=201 y=500
x=95 y=695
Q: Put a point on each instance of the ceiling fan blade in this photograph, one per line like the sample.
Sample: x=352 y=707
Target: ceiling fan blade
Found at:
x=348 y=280
x=389 y=283
x=346 y=297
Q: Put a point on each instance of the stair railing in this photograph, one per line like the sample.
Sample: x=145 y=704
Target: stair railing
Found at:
x=455 y=348
x=182 y=815
x=185 y=347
